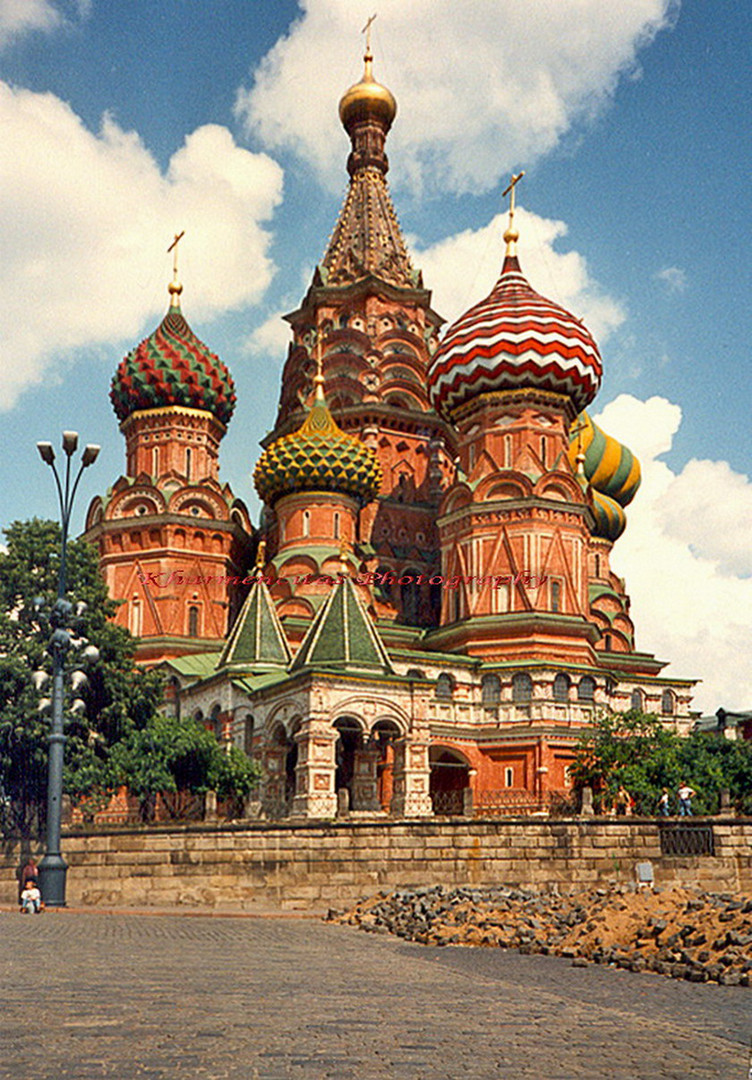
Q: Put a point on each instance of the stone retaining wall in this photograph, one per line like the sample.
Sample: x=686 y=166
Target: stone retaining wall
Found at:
x=304 y=865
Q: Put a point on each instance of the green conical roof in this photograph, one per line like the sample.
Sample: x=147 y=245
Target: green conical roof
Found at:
x=342 y=636
x=257 y=639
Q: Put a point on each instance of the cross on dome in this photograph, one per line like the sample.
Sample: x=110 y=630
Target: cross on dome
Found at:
x=511 y=236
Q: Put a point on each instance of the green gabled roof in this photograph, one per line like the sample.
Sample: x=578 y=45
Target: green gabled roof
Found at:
x=257 y=639
x=198 y=665
x=342 y=636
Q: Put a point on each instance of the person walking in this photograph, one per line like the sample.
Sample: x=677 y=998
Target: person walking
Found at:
x=685 y=795
x=663 y=803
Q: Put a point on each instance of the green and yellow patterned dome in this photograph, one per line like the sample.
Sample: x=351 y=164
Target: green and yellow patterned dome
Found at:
x=319 y=456
x=611 y=470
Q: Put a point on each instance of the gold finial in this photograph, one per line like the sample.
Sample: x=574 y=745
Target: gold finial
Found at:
x=261 y=555
x=344 y=550
x=579 y=456
x=175 y=288
x=318 y=378
x=511 y=236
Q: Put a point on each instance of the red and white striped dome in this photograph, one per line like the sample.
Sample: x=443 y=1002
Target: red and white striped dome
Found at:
x=515 y=339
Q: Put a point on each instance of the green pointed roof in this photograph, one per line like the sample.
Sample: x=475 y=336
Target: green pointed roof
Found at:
x=342 y=636
x=257 y=639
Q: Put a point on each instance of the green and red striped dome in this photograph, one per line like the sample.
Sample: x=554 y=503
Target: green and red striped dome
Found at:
x=172 y=367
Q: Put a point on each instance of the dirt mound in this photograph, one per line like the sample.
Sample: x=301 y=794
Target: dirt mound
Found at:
x=683 y=933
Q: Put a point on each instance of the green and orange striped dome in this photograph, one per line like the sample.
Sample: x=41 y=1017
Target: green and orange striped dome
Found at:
x=611 y=470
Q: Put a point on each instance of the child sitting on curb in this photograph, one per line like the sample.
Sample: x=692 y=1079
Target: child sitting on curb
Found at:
x=31 y=899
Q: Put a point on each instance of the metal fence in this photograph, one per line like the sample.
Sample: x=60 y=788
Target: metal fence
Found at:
x=686 y=839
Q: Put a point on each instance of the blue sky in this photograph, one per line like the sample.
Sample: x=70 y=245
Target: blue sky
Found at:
x=128 y=120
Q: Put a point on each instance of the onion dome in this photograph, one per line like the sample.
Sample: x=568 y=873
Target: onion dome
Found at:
x=172 y=367
x=515 y=339
x=319 y=456
x=367 y=100
x=610 y=519
x=610 y=467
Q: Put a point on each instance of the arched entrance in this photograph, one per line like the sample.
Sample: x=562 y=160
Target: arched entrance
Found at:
x=383 y=735
x=349 y=742
x=450 y=777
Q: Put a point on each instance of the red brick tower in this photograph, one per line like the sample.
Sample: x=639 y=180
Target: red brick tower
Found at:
x=169 y=533
x=512 y=375
x=370 y=318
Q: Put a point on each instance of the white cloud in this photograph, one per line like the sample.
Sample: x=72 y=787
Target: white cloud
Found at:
x=673 y=277
x=85 y=220
x=19 y=17
x=270 y=338
x=481 y=87
x=685 y=557
x=462 y=269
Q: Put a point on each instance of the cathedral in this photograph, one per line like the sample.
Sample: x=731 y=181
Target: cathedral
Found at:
x=425 y=619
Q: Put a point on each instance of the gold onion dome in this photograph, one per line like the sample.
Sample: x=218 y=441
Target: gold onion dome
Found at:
x=367 y=100
x=319 y=456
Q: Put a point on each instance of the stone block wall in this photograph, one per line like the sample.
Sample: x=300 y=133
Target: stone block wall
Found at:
x=298 y=866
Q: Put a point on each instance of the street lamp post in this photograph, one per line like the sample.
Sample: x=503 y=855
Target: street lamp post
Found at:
x=53 y=867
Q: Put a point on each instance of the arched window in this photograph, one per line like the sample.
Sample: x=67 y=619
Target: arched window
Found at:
x=336 y=525
x=667 y=703
x=445 y=687
x=248 y=735
x=306 y=523
x=188 y=463
x=637 y=701
x=509 y=776
x=193 y=621
x=522 y=687
x=410 y=596
x=608 y=642
x=562 y=684
x=136 y=619
x=586 y=689
x=216 y=722
x=507 y=451
x=490 y=691
x=556 y=596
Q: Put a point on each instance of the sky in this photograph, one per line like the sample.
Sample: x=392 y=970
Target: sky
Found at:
x=126 y=121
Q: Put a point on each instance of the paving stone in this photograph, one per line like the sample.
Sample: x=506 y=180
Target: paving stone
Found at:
x=136 y=997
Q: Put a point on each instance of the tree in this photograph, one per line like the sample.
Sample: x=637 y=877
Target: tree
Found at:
x=172 y=755
x=120 y=697
x=635 y=750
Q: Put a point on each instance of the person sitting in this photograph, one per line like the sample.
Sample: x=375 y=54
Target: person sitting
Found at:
x=31 y=899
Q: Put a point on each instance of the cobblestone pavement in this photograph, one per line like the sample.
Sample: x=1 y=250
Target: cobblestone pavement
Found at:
x=89 y=995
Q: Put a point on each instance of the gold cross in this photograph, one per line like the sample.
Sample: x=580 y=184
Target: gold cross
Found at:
x=367 y=31
x=174 y=249
x=511 y=235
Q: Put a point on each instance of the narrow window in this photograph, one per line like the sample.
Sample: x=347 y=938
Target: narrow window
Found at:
x=193 y=621
x=188 y=464
x=336 y=525
x=507 y=451
x=155 y=461
x=248 y=735
x=667 y=703
x=556 y=596
x=136 y=617
x=608 y=643
x=509 y=776
x=636 y=701
x=543 y=451
x=597 y=566
x=490 y=691
x=306 y=523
